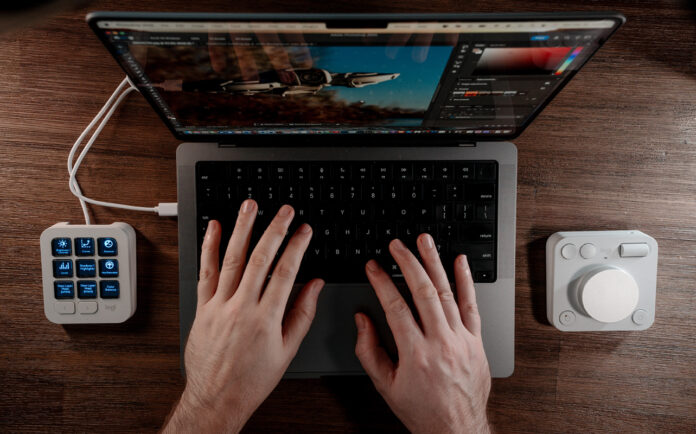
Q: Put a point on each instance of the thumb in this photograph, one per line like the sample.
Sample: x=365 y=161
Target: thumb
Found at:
x=372 y=357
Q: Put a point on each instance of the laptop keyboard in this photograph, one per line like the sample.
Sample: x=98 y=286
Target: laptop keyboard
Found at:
x=357 y=207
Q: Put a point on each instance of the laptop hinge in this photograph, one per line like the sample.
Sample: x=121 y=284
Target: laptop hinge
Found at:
x=466 y=145
x=227 y=145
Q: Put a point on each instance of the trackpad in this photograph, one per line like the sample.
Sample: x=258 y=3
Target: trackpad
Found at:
x=329 y=348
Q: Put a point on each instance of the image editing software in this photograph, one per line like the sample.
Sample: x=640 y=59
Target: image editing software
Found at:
x=302 y=78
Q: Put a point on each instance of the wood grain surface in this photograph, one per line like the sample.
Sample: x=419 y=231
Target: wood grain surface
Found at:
x=615 y=150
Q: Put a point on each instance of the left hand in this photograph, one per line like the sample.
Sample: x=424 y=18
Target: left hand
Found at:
x=239 y=346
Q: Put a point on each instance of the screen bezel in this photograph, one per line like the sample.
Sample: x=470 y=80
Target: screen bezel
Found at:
x=353 y=21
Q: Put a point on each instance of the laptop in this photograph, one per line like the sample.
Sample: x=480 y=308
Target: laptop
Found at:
x=371 y=126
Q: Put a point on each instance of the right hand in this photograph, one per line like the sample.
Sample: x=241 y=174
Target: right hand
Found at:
x=442 y=379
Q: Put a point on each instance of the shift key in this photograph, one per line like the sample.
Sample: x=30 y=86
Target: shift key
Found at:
x=475 y=252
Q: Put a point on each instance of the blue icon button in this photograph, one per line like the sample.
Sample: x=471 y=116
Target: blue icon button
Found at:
x=84 y=246
x=86 y=268
x=109 y=288
x=107 y=247
x=64 y=289
x=108 y=268
x=61 y=246
x=62 y=268
x=87 y=289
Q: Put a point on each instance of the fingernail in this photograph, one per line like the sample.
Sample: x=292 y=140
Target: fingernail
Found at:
x=305 y=228
x=285 y=210
x=463 y=262
x=371 y=265
x=209 y=230
x=428 y=240
x=318 y=285
x=359 y=321
x=248 y=206
x=398 y=244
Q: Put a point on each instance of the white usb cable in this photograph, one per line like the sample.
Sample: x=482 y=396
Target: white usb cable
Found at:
x=166 y=209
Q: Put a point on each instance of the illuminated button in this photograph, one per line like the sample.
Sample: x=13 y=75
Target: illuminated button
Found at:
x=107 y=247
x=61 y=246
x=108 y=268
x=62 y=268
x=569 y=251
x=84 y=246
x=87 y=289
x=634 y=250
x=588 y=251
x=85 y=268
x=64 y=289
x=109 y=289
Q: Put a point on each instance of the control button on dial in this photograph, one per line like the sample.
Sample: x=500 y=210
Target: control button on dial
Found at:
x=569 y=251
x=588 y=251
x=567 y=317
x=633 y=250
x=640 y=317
x=608 y=294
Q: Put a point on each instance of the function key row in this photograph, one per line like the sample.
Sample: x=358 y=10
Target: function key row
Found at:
x=84 y=246
x=220 y=172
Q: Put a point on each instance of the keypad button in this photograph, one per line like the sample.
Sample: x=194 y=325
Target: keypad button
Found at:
x=64 y=289
x=108 y=268
x=85 y=268
x=109 y=289
x=84 y=246
x=61 y=246
x=107 y=247
x=87 y=307
x=64 y=307
x=87 y=289
x=62 y=268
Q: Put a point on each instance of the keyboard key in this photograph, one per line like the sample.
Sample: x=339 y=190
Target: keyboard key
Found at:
x=485 y=171
x=64 y=289
x=107 y=247
x=87 y=289
x=479 y=192
x=62 y=268
x=64 y=307
x=423 y=171
x=404 y=171
x=109 y=289
x=61 y=246
x=86 y=268
x=87 y=307
x=464 y=171
x=84 y=246
x=108 y=268
x=485 y=211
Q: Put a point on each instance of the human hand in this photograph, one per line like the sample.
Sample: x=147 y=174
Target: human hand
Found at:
x=239 y=346
x=442 y=379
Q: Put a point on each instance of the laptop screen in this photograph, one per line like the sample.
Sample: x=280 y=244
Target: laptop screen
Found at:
x=484 y=79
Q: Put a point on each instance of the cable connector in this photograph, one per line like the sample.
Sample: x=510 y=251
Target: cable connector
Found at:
x=167 y=209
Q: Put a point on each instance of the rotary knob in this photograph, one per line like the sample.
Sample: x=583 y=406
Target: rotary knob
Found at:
x=608 y=294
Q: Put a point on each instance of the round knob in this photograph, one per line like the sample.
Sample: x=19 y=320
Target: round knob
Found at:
x=608 y=294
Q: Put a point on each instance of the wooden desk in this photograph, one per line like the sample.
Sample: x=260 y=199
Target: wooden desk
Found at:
x=615 y=150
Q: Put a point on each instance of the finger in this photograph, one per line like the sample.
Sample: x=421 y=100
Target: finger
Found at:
x=372 y=357
x=437 y=274
x=265 y=251
x=425 y=295
x=248 y=71
x=275 y=297
x=399 y=317
x=300 y=317
x=467 y=296
x=208 y=277
x=421 y=46
x=235 y=255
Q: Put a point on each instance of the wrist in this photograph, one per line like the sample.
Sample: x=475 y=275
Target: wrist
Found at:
x=191 y=414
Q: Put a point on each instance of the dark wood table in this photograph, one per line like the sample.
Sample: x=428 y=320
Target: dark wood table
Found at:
x=615 y=150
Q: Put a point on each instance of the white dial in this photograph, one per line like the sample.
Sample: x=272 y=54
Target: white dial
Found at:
x=609 y=294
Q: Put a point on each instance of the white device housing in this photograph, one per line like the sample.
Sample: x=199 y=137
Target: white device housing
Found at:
x=601 y=280
x=108 y=310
